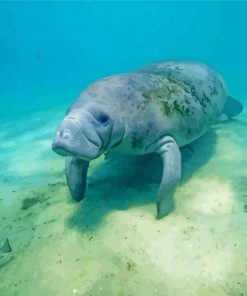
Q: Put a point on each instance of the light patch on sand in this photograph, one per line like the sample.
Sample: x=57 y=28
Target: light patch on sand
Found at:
x=233 y=153
x=174 y=249
x=217 y=265
x=210 y=196
x=179 y=258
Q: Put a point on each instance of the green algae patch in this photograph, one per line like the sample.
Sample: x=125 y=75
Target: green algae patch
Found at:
x=179 y=84
x=29 y=202
x=160 y=96
x=214 y=91
x=166 y=108
x=172 y=97
x=41 y=196
x=130 y=266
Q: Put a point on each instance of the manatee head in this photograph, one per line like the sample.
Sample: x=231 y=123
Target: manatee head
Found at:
x=84 y=133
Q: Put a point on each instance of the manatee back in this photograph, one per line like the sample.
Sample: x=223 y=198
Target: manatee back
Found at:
x=205 y=84
x=192 y=95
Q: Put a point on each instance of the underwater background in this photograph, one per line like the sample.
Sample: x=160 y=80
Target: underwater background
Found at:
x=111 y=243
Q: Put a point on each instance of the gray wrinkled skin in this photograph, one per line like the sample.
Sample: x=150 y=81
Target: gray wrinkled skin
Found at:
x=181 y=99
x=156 y=109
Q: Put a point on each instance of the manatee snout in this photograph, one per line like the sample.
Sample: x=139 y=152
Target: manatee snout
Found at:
x=82 y=136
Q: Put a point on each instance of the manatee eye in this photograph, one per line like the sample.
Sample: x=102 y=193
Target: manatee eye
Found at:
x=102 y=117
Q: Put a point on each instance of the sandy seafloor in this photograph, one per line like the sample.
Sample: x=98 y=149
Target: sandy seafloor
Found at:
x=111 y=243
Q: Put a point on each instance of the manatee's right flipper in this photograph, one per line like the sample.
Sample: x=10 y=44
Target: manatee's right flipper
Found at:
x=232 y=107
x=6 y=248
x=169 y=151
x=76 y=175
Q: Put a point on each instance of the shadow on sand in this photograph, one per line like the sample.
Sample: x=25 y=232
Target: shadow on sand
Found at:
x=122 y=182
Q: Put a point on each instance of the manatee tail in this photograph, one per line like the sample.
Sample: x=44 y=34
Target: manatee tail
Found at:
x=232 y=107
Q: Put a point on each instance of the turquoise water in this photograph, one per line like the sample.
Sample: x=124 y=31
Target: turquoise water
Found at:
x=52 y=47
x=112 y=244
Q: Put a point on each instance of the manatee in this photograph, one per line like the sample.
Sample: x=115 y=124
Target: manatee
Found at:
x=156 y=109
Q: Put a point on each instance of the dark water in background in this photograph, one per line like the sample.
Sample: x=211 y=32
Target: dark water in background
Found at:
x=52 y=47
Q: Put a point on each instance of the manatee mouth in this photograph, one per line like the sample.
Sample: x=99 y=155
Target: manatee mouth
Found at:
x=63 y=151
x=71 y=140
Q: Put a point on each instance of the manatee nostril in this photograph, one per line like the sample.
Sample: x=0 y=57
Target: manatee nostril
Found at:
x=64 y=134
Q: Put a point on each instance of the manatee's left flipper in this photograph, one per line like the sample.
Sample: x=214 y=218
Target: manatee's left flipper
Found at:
x=76 y=175
x=169 y=151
